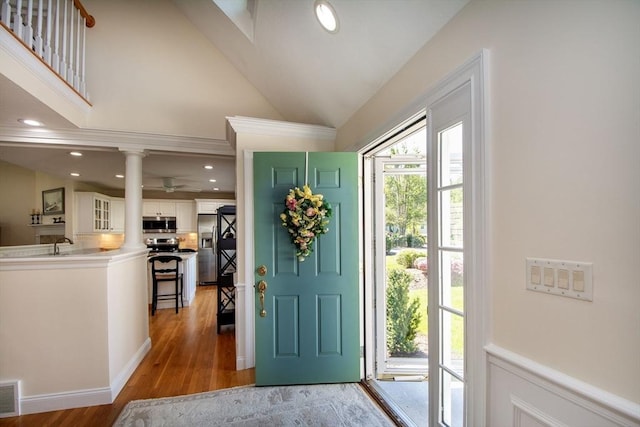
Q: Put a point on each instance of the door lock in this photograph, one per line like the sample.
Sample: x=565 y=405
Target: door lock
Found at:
x=262 y=270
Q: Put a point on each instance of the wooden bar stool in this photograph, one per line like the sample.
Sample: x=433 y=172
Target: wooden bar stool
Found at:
x=166 y=268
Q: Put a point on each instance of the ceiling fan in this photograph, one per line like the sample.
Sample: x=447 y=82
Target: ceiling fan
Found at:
x=169 y=186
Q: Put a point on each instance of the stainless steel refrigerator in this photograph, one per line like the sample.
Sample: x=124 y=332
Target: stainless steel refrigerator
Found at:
x=207 y=272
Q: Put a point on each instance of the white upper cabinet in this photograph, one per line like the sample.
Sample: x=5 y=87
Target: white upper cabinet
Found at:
x=186 y=217
x=94 y=213
x=117 y=215
x=210 y=206
x=158 y=208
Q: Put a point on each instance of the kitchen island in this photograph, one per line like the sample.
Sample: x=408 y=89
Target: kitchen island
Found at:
x=188 y=268
x=73 y=326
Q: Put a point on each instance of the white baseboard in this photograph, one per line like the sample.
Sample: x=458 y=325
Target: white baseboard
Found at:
x=121 y=379
x=82 y=398
x=550 y=395
x=66 y=400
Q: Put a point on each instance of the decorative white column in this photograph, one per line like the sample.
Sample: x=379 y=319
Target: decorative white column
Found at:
x=133 y=200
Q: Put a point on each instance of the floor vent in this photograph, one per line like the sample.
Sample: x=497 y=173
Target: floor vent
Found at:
x=9 y=399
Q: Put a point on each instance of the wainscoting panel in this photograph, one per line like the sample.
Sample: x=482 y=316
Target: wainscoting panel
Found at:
x=523 y=393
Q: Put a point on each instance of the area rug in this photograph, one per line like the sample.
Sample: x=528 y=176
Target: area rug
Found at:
x=312 y=405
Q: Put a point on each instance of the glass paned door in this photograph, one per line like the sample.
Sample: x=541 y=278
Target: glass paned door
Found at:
x=448 y=139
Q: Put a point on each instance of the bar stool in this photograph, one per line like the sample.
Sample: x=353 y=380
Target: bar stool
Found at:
x=166 y=268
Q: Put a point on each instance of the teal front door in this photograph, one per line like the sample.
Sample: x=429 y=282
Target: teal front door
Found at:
x=307 y=319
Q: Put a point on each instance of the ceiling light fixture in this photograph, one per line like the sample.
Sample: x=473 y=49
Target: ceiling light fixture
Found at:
x=215 y=188
x=326 y=15
x=74 y=174
x=212 y=180
x=119 y=176
x=208 y=167
x=76 y=154
x=30 y=122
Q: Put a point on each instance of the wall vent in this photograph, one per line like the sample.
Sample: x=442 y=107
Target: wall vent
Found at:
x=9 y=399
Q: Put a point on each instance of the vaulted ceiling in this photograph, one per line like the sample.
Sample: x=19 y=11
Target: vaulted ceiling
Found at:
x=306 y=73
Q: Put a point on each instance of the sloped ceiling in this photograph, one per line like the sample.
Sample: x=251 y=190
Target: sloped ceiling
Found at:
x=312 y=76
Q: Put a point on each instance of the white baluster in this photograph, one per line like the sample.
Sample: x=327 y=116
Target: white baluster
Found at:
x=55 y=57
x=63 y=60
x=28 y=30
x=76 y=71
x=71 y=41
x=38 y=37
x=47 y=36
x=83 y=88
x=6 y=13
x=17 y=19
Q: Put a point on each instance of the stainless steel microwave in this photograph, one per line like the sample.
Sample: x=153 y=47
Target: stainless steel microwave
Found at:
x=159 y=224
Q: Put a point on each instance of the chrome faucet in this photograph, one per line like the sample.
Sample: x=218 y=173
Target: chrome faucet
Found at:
x=56 y=249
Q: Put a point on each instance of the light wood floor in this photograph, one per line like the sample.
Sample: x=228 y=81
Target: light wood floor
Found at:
x=187 y=356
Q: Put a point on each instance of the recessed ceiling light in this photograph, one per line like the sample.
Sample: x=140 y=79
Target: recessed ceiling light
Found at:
x=208 y=167
x=30 y=122
x=212 y=180
x=74 y=174
x=215 y=188
x=326 y=15
x=76 y=153
x=119 y=176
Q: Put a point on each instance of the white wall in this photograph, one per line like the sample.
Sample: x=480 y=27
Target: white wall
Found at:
x=564 y=103
x=148 y=66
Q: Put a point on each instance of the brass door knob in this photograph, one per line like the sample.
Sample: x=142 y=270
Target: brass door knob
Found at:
x=262 y=288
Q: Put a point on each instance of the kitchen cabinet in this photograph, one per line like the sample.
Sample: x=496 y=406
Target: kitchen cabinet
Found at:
x=210 y=206
x=117 y=215
x=97 y=213
x=158 y=208
x=93 y=213
x=186 y=217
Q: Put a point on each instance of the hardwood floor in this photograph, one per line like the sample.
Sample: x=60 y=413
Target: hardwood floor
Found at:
x=187 y=356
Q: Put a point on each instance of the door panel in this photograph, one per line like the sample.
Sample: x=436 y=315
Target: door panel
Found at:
x=310 y=333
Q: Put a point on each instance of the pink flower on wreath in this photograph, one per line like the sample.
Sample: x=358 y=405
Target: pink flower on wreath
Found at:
x=310 y=212
x=291 y=203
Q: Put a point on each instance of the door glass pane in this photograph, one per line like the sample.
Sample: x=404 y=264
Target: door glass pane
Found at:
x=452 y=342
x=451 y=156
x=406 y=265
x=451 y=280
x=451 y=227
x=452 y=397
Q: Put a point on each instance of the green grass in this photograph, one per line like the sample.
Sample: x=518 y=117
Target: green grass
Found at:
x=457 y=298
x=456 y=327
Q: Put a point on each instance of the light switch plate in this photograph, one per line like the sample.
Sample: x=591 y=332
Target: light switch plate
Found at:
x=571 y=279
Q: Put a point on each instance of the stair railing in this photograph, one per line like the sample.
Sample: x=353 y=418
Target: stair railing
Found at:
x=55 y=31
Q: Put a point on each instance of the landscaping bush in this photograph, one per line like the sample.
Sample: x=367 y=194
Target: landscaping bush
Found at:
x=407 y=257
x=415 y=241
x=403 y=315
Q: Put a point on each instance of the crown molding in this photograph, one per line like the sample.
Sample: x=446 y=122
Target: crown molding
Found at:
x=240 y=124
x=116 y=139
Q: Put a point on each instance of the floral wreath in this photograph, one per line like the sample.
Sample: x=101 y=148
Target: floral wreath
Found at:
x=305 y=216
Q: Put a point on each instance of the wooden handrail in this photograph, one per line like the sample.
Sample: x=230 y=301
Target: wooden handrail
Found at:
x=91 y=21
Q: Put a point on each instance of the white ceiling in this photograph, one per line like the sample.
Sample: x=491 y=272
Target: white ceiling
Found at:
x=307 y=74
